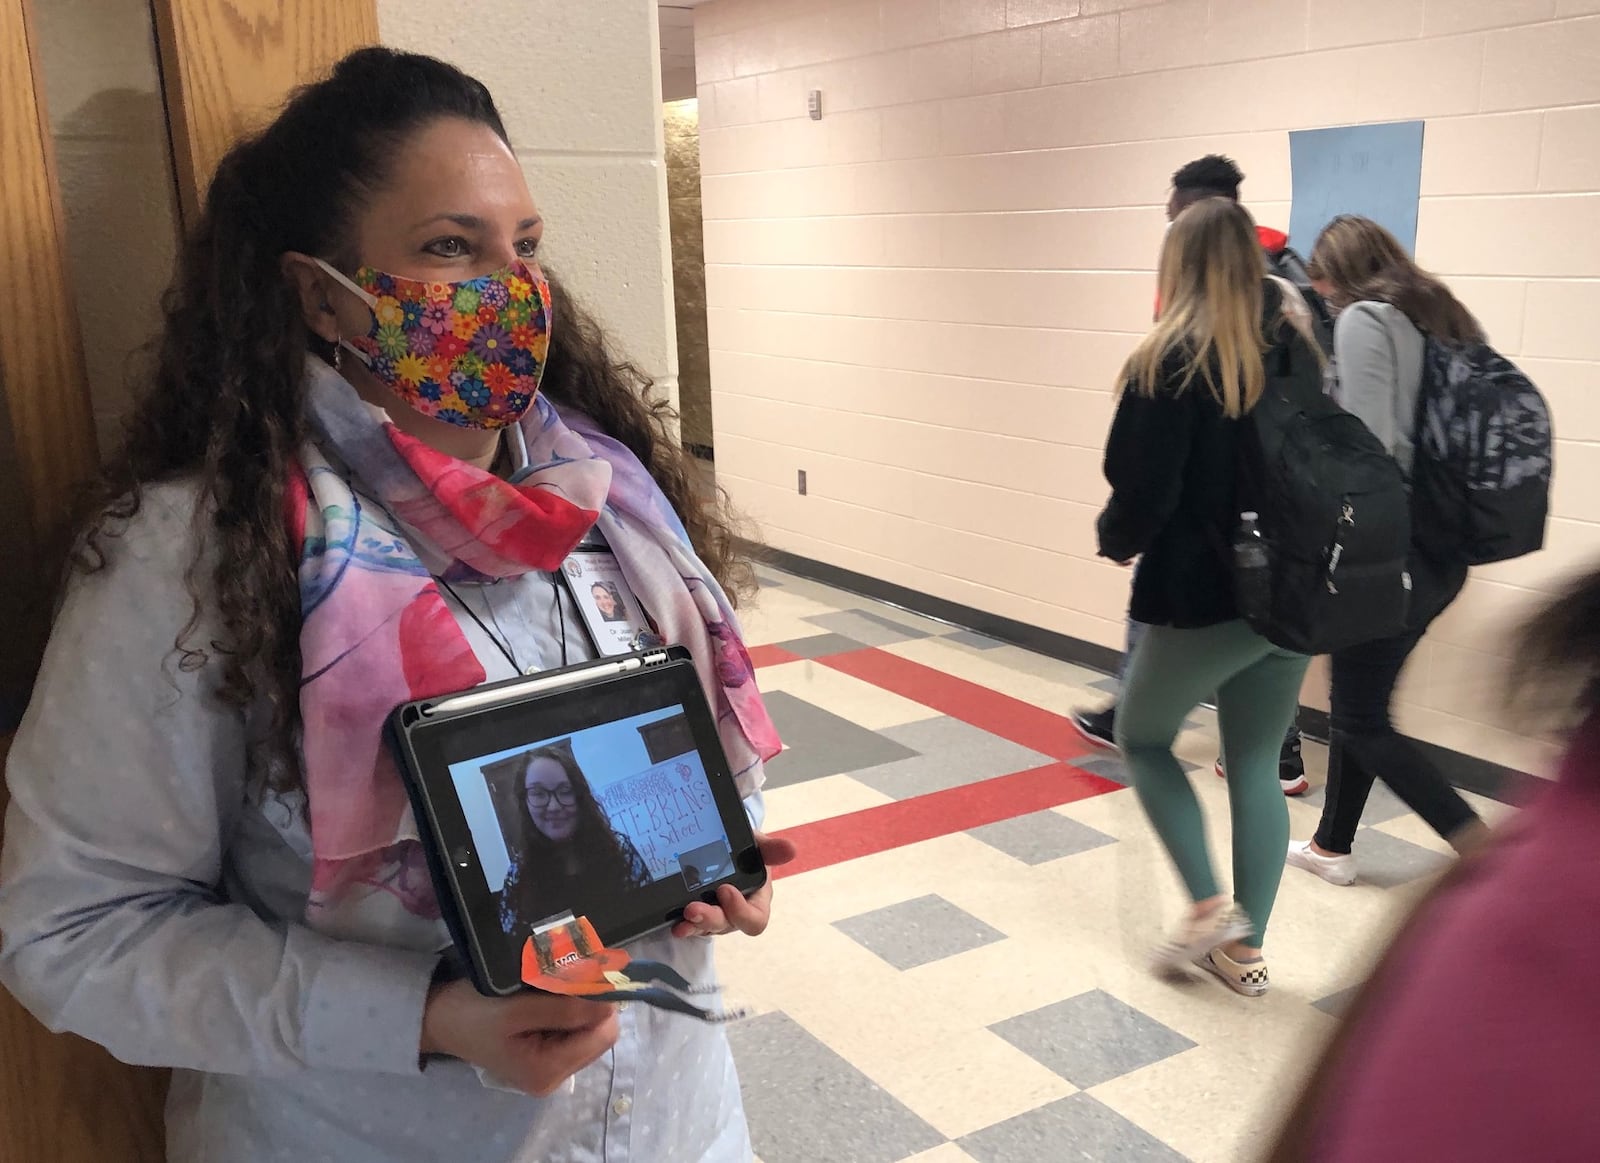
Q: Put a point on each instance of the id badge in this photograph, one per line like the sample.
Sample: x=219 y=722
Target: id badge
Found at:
x=616 y=622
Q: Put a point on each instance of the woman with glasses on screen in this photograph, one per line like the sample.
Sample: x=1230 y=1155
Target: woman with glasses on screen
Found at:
x=562 y=846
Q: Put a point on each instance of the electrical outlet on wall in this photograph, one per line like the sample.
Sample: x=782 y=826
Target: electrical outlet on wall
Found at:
x=802 y=482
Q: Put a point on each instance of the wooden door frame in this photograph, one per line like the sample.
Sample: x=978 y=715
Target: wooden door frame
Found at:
x=62 y=1100
x=225 y=64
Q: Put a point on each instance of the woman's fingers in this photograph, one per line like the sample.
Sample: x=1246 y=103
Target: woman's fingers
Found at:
x=749 y=915
x=556 y=1055
x=734 y=912
x=776 y=850
x=545 y=1011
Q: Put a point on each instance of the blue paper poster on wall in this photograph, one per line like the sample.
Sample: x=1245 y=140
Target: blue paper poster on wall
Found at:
x=1372 y=170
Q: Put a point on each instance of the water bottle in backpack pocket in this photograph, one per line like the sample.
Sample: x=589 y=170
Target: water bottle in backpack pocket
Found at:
x=1330 y=511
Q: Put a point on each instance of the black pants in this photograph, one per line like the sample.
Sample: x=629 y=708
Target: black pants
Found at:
x=1365 y=745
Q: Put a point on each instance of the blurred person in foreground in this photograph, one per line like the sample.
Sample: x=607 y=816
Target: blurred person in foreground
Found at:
x=1477 y=1038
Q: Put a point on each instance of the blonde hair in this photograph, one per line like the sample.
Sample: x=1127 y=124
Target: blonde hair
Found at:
x=1211 y=280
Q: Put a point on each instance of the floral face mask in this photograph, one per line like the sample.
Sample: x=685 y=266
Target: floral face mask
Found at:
x=469 y=353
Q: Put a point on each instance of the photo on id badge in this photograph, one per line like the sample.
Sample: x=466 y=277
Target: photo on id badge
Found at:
x=610 y=611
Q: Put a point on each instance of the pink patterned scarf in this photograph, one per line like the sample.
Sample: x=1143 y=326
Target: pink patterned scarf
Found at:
x=377 y=515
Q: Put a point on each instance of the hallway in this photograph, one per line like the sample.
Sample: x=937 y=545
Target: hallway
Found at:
x=954 y=972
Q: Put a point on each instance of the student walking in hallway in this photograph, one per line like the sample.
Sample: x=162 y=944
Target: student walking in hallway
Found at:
x=1172 y=463
x=1216 y=176
x=1389 y=308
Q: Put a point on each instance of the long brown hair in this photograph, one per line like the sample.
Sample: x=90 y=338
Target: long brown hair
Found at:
x=1362 y=262
x=223 y=405
x=541 y=862
x=1212 y=288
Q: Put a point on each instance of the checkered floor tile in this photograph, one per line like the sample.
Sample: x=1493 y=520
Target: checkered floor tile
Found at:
x=957 y=973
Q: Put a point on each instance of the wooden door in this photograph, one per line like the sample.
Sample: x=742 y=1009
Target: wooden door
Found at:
x=62 y=1100
x=226 y=65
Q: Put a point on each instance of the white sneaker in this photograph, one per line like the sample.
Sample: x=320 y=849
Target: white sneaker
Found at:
x=1198 y=936
x=1340 y=870
x=1247 y=978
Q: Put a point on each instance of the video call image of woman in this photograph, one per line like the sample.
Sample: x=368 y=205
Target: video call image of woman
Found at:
x=608 y=600
x=562 y=846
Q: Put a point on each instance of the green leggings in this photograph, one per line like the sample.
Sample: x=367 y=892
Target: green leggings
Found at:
x=1258 y=691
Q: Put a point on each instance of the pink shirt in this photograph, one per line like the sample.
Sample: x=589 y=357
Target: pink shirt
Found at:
x=1485 y=1043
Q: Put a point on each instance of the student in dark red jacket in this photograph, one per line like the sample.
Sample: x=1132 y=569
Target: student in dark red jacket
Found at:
x=1477 y=1040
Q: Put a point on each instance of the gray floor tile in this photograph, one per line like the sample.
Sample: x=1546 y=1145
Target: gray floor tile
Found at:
x=802 y=587
x=824 y=743
x=896 y=616
x=866 y=627
x=822 y=646
x=1388 y=861
x=1041 y=836
x=1335 y=1004
x=1382 y=805
x=1091 y=1038
x=1113 y=767
x=1106 y=765
x=805 y=1103
x=1076 y=1129
x=949 y=753
x=975 y=640
x=917 y=932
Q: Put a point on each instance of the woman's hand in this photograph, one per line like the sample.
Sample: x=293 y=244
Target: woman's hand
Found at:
x=533 y=1041
x=735 y=912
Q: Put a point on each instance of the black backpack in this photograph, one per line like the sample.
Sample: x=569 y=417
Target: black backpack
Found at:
x=1334 y=516
x=1289 y=266
x=1480 y=482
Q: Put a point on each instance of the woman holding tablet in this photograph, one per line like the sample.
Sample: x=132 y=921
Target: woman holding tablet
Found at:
x=373 y=432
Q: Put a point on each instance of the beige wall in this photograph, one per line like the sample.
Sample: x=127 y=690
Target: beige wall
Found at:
x=579 y=87
x=114 y=162
x=924 y=298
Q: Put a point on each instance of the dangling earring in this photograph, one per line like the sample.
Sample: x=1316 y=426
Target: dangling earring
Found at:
x=338 y=353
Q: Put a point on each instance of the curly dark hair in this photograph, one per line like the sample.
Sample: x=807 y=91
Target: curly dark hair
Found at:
x=1212 y=176
x=223 y=405
x=607 y=870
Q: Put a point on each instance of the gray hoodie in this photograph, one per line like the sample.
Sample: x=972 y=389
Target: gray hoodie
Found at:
x=1379 y=355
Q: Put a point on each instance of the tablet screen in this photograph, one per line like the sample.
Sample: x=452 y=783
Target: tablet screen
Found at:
x=607 y=795
x=582 y=820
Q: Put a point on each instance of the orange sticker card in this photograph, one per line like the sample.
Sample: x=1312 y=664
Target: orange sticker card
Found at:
x=565 y=956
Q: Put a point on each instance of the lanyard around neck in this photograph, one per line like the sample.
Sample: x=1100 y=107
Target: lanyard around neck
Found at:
x=504 y=645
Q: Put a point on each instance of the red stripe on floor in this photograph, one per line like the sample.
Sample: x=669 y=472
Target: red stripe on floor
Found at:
x=989 y=710
x=762 y=656
x=941 y=813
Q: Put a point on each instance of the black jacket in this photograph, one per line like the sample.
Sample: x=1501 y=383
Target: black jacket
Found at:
x=1172 y=463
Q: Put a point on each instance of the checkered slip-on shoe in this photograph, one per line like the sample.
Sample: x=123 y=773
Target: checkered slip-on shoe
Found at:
x=1198 y=937
x=1248 y=978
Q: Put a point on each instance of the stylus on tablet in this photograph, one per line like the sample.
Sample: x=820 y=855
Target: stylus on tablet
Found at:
x=539 y=684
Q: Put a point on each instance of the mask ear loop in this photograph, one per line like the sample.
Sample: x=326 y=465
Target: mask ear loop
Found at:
x=361 y=293
x=338 y=348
